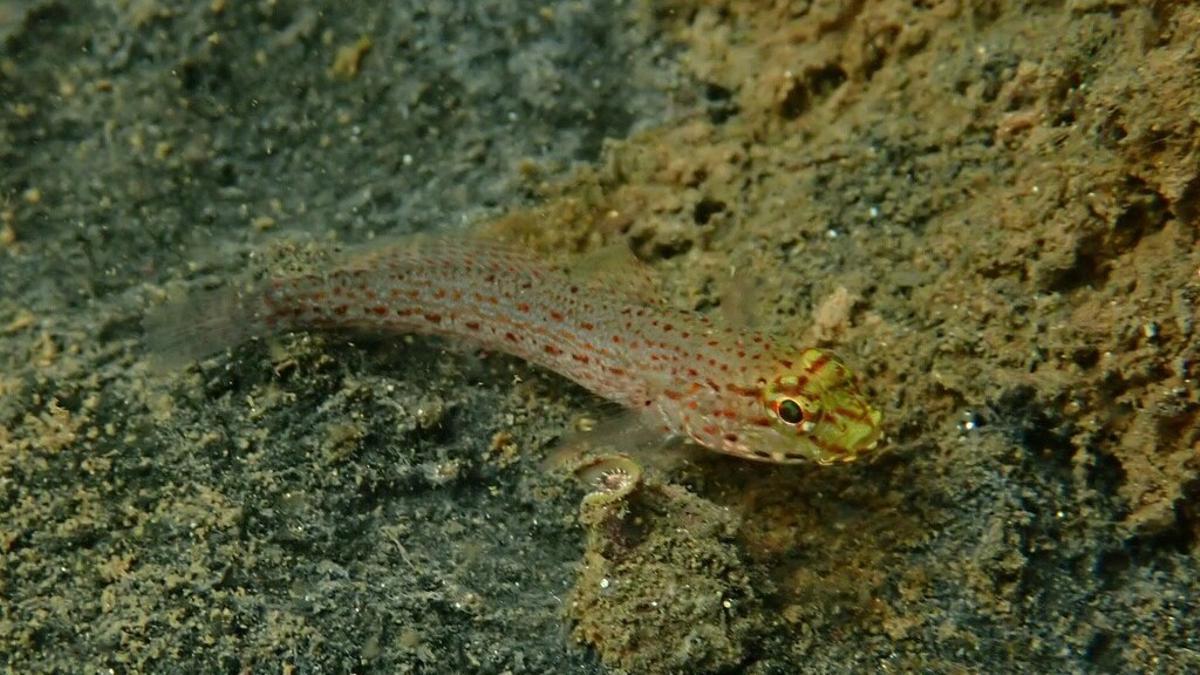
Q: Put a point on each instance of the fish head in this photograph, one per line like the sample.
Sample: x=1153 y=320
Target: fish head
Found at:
x=816 y=412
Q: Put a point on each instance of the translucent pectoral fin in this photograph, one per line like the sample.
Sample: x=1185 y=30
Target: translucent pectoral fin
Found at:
x=619 y=431
x=626 y=434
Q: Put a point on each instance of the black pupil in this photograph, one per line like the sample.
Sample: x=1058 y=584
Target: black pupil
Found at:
x=790 y=412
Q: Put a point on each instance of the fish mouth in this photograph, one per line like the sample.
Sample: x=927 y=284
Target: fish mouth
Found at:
x=849 y=438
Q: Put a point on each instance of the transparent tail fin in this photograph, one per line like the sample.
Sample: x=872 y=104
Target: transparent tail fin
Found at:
x=186 y=329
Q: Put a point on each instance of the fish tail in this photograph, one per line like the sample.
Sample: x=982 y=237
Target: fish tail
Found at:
x=186 y=329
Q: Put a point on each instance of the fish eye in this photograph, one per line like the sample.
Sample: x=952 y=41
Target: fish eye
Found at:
x=790 y=411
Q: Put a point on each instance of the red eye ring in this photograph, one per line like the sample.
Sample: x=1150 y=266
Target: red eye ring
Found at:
x=789 y=411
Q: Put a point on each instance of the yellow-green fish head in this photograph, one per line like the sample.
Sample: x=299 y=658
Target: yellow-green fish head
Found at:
x=817 y=413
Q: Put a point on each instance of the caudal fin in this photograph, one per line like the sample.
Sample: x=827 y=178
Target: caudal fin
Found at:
x=186 y=329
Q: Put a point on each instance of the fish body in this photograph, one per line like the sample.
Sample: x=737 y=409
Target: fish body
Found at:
x=733 y=391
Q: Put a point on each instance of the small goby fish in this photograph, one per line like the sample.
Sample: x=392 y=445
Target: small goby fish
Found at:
x=736 y=392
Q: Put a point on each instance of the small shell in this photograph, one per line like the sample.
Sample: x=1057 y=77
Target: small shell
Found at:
x=610 y=478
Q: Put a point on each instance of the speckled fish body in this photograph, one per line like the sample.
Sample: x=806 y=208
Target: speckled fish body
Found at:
x=732 y=391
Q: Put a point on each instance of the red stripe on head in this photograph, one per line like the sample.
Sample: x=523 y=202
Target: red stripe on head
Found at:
x=819 y=363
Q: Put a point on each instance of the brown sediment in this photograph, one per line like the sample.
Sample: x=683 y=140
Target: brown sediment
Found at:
x=993 y=212
x=663 y=570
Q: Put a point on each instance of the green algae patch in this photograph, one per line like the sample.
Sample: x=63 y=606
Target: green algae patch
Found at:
x=663 y=587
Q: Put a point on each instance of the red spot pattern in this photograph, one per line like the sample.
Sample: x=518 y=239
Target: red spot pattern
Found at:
x=700 y=378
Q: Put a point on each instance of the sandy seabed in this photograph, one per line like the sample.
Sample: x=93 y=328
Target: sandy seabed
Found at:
x=989 y=209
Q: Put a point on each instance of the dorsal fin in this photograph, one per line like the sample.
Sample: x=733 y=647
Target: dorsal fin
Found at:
x=614 y=267
x=740 y=300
